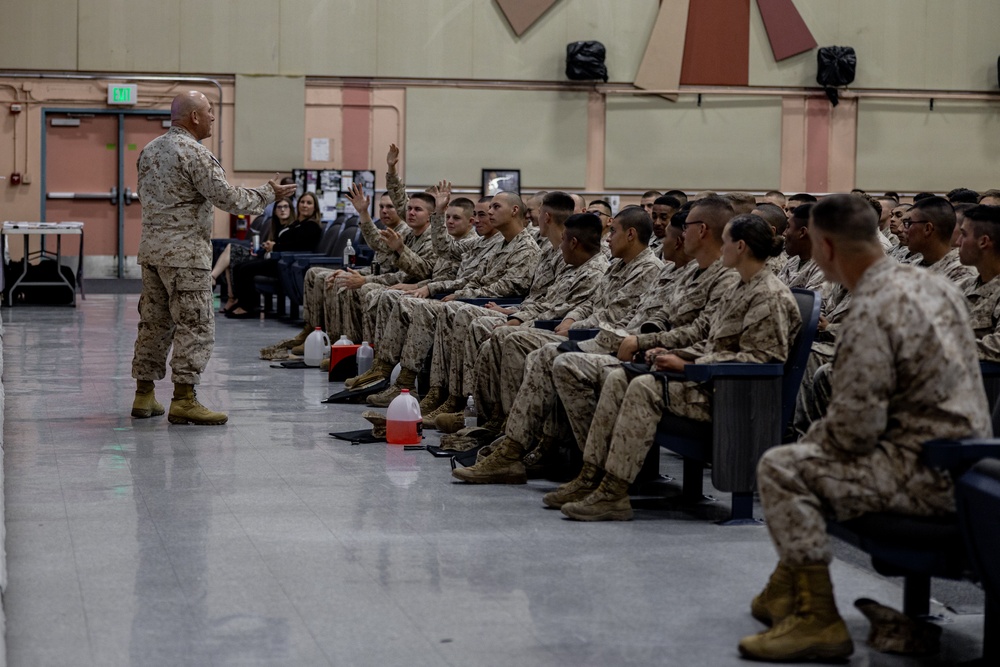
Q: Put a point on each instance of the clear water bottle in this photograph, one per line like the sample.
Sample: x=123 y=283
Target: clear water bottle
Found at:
x=471 y=414
x=344 y=340
x=349 y=255
x=316 y=343
x=256 y=242
x=403 y=423
x=365 y=356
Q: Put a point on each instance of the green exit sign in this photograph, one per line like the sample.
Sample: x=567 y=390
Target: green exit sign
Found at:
x=125 y=93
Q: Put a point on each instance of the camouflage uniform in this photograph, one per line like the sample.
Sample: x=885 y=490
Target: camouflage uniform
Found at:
x=524 y=366
x=414 y=262
x=755 y=323
x=777 y=264
x=506 y=274
x=579 y=376
x=573 y=286
x=984 y=312
x=789 y=270
x=912 y=375
x=180 y=184
x=951 y=268
x=317 y=310
x=808 y=276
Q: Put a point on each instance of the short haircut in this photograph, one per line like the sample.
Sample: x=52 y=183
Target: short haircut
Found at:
x=893 y=202
x=426 y=198
x=679 y=218
x=586 y=228
x=857 y=191
x=743 y=202
x=559 y=205
x=963 y=196
x=667 y=200
x=990 y=193
x=940 y=212
x=877 y=207
x=960 y=209
x=650 y=193
x=717 y=212
x=922 y=195
x=515 y=200
x=986 y=222
x=634 y=217
x=463 y=203
x=892 y=194
x=599 y=202
x=801 y=214
x=757 y=233
x=803 y=197
x=485 y=200
x=705 y=194
x=679 y=195
x=846 y=218
x=775 y=194
x=773 y=215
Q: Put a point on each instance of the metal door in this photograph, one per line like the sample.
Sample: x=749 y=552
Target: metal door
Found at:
x=89 y=174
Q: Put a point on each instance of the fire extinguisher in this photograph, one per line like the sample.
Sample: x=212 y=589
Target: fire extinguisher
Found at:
x=238 y=226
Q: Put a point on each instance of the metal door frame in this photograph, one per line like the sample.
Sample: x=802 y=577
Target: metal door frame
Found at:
x=120 y=183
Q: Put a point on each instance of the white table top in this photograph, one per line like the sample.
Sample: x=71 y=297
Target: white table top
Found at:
x=18 y=227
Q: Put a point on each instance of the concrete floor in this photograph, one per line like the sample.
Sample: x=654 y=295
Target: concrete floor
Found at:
x=266 y=542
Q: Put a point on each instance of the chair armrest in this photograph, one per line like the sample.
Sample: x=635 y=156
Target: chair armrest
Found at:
x=957 y=456
x=706 y=372
x=548 y=325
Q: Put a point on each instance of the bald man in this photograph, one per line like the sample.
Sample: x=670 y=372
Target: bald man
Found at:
x=180 y=183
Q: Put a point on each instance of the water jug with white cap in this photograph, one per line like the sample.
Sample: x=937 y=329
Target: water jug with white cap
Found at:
x=317 y=343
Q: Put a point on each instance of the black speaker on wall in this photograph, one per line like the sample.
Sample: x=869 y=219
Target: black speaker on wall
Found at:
x=836 y=66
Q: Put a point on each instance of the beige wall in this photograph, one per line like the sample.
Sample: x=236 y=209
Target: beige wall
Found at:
x=727 y=143
x=901 y=44
x=371 y=38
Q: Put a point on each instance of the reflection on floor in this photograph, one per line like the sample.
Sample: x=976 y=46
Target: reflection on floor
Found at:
x=267 y=542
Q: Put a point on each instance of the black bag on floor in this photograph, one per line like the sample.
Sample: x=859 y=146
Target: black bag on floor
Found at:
x=585 y=61
x=44 y=271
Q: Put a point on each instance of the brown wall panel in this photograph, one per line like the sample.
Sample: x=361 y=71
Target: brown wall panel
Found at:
x=717 y=48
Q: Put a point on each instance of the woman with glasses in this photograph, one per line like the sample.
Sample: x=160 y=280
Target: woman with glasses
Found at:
x=235 y=254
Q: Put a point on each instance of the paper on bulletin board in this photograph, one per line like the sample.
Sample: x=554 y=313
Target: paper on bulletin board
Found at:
x=319 y=149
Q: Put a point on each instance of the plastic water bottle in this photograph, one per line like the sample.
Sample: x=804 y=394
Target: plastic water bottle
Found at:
x=344 y=340
x=349 y=255
x=471 y=414
x=365 y=356
x=314 y=347
x=256 y=242
x=403 y=423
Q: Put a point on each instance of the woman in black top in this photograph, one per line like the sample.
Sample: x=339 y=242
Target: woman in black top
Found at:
x=303 y=235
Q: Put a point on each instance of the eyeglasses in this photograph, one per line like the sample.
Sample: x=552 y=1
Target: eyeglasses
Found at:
x=908 y=223
x=283 y=207
x=694 y=222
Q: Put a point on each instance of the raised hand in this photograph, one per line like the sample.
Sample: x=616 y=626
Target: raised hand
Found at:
x=358 y=199
x=442 y=196
x=281 y=191
x=392 y=158
x=392 y=239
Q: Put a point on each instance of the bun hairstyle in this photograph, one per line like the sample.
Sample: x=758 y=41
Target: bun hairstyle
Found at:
x=757 y=234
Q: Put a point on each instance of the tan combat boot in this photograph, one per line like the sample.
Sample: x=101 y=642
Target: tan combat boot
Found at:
x=451 y=404
x=433 y=399
x=281 y=350
x=814 y=631
x=503 y=466
x=777 y=600
x=450 y=422
x=608 y=502
x=145 y=404
x=585 y=483
x=379 y=371
x=185 y=409
x=407 y=380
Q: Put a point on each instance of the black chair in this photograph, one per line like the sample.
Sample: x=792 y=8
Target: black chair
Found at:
x=991 y=383
x=919 y=548
x=752 y=407
x=978 y=499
